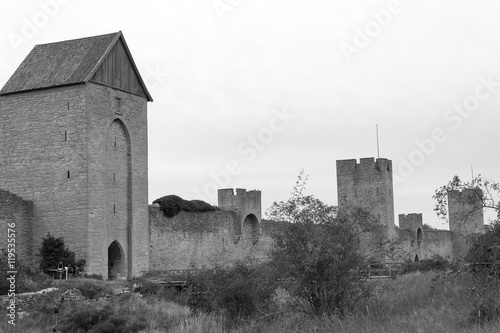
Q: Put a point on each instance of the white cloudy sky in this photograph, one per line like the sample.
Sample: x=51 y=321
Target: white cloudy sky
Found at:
x=219 y=77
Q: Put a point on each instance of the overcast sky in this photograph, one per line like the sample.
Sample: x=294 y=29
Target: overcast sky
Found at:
x=249 y=92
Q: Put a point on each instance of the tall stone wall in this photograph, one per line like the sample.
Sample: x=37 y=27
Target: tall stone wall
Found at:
x=118 y=179
x=44 y=159
x=438 y=243
x=466 y=219
x=247 y=208
x=368 y=184
x=16 y=214
x=197 y=240
x=58 y=150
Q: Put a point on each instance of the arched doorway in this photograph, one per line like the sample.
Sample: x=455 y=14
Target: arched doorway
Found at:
x=416 y=257
x=119 y=190
x=251 y=228
x=116 y=261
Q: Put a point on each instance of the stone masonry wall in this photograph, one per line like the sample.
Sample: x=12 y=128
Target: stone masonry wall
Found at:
x=196 y=240
x=438 y=242
x=43 y=158
x=118 y=177
x=368 y=184
x=55 y=152
x=16 y=214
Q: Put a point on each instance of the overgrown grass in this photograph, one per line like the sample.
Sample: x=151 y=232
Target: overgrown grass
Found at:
x=417 y=302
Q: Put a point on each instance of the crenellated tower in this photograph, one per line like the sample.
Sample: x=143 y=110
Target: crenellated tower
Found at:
x=466 y=219
x=368 y=184
x=248 y=209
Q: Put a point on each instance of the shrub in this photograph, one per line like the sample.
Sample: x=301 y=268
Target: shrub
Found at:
x=100 y=319
x=171 y=205
x=320 y=251
x=84 y=318
x=120 y=324
x=485 y=300
x=238 y=291
x=484 y=254
x=54 y=251
x=426 y=265
x=93 y=290
x=29 y=277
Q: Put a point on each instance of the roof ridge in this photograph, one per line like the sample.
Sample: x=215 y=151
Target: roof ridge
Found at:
x=81 y=38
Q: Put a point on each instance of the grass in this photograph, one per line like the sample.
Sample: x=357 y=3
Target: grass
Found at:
x=417 y=302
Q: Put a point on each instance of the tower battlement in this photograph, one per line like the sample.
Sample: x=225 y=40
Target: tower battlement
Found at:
x=381 y=164
x=231 y=199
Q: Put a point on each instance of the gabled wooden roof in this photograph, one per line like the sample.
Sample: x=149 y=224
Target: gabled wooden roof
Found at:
x=72 y=62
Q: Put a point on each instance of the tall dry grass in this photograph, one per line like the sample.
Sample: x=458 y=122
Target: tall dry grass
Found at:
x=417 y=302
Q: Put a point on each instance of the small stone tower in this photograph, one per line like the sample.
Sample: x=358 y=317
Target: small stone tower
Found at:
x=74 y=142
x=412 y=226
x=248 y=210
x=368 y=184
x=466 y=219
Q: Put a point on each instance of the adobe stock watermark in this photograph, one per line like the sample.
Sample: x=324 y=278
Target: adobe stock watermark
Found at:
x=30 y=26
x=154 y=77
x=222 y=7
x=363 y=37
x=248 y=151
x=454 y=118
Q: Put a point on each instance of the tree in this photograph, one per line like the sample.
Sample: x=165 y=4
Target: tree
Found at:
x=53 y=251
x=320 y=253
x=488 y=194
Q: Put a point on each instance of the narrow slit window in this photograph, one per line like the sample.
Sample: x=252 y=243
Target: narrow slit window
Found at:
x=69 y=174
x=115 y=142
x=118 y=105
x=114 y=177
x=65 y=136
x=114 y=209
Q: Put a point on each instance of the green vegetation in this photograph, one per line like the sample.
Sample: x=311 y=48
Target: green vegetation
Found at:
x=171 y=205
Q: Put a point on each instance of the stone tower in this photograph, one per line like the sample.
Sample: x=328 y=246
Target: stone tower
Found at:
x=248 y=210
x=368 y=184
x=74 y=142
x=412 y=226
x=466 y=219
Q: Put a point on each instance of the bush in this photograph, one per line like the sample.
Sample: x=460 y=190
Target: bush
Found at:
x=426 y=265
x=93 y=290
x=238 y=292
x=484 y=254
x=54 y=251
x=171 y=205
x=84 y=318
x=100 y=319
x=28 y=278
x=485 y=300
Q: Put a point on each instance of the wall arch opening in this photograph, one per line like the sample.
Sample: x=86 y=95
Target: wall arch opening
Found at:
x=117 y=266
x=118 y=183
x=416 y=258
x=251 y=228
x=419 y=237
